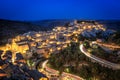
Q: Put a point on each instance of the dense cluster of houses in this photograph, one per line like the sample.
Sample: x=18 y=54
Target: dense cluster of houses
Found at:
x=47 y=42
x=52 y=41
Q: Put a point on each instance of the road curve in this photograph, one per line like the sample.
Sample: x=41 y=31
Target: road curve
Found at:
x=50 y=70
x=109 y=45
x=99 y=60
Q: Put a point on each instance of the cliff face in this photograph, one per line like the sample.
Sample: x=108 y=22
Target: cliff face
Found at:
x=97 y=33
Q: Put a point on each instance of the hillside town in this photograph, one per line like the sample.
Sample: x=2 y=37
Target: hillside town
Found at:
x=44 y=43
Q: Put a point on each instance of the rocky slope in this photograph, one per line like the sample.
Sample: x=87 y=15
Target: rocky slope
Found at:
x=97 y=33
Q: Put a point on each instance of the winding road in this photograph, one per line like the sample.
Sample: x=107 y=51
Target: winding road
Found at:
x=52 y=71
x=109 y=45
x=99 y=60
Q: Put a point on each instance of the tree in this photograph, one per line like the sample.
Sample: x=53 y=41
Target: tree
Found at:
x=86 y=44
x=85 y=72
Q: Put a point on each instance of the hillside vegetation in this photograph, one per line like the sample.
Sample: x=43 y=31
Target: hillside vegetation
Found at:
x=72 y=60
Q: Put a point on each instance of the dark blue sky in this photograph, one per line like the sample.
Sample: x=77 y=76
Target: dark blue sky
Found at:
x=59 y=9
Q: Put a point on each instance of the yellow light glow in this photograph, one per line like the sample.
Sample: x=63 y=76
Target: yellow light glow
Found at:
x=43 y=79
x=38 y=35
x=58 y=48
x=64 y=46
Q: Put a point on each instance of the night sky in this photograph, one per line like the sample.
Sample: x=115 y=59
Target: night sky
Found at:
x=59 y=9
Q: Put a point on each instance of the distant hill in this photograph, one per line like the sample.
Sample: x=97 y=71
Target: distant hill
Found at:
x=52 y=23
x=10 y=29
x=111 y=24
